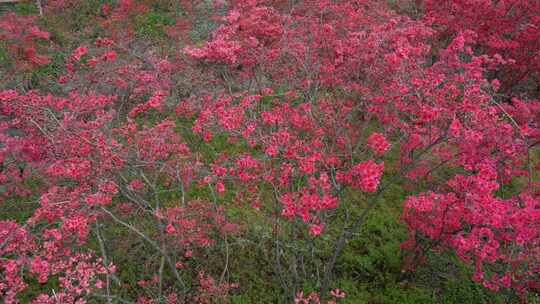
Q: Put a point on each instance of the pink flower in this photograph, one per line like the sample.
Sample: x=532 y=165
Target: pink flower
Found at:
x=207 y=136
x=316 y=229
x=365 y=176
x=79 y=52
x=496 y=84
x=109 y=56
x=338 y=293
x=455 y=128
x=220 y=187
x=267 y=91
x=136 y=184
x=141 y=283
x=377 y=142
x=156 y=100
x=170 y=228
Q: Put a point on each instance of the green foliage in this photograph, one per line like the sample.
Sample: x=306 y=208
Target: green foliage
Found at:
x=371 y=265
x=152 y=24
x=25 y=8
x=4 y=56
x=35 y=288
x=202 y=27
x=20 y=209
x=448 y=278
x=47 y=74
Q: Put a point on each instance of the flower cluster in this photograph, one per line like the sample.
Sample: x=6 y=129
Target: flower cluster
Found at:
x=364 y=176
x=378 y=143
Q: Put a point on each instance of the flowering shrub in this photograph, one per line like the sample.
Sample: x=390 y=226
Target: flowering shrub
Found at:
x=22 y=38
x=504 y=28
x=283 y=129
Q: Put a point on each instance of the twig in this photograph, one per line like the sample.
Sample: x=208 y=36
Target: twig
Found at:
x=154 y=244
x=40 y=8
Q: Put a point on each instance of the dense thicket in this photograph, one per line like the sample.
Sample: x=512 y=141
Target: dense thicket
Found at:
x=217 y=151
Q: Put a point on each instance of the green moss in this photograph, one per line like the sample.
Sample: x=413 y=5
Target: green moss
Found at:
x=35 y=288
x=47 y=74
x=26 y=8
x=4 y=55
x=152 y=24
